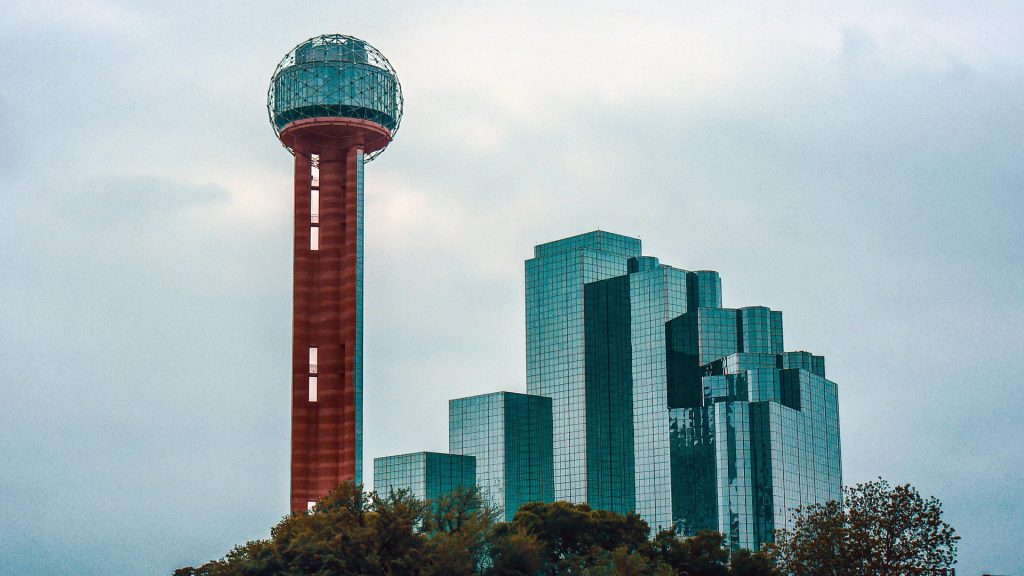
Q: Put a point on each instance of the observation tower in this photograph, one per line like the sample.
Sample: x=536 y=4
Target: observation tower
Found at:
x=335 y=103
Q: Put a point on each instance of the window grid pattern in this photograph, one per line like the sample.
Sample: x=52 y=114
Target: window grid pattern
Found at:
x=426 y=475
x=656 y=296
x=694 y=481
x=730 y=433
x=755 y=330
x=733 y=470
x=797 y=459
x=805 y=360
x=555 y=341
x=509 y=434
x=780 y=452
x=609 y=395
x=775 y=325
x=716 y=333
x=335 y=76
x=708 y=291
x=476 y=427
x=766 y=431
x=529 y=465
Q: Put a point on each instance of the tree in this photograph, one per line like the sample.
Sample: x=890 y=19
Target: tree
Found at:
x=353 y=532
x=514 y=552
x=347 y=532
x=459 y=526
x=816 y=544
x=622 y=562
x=575 y=537
x=747 y=563
x=460 y=507
x=562 y=527
x=878 y=530
x=337 y=537
x=703 y=554
x=398 y=544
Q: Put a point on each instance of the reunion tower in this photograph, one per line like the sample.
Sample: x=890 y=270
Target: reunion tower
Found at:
x=335 y=103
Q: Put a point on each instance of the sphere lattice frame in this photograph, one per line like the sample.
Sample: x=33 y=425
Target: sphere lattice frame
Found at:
x=335 y=76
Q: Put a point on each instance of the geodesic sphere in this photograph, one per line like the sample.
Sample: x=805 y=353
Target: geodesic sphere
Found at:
x=335 y=76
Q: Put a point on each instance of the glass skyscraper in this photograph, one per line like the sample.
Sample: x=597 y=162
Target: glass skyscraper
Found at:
x=645 y=395
x=764 y=441
x=510 y=436
x=668 y=404
x=627 y=358
x=426 y=475
x=555 y=354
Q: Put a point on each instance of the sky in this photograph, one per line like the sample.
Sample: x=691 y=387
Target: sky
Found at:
x=856 y=165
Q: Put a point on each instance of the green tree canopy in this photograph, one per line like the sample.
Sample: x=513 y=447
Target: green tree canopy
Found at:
x=878 y=530
x=574 y=536
x=704 y=554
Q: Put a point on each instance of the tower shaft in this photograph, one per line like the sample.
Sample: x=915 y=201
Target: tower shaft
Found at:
x=327 y=320
x=335 y=102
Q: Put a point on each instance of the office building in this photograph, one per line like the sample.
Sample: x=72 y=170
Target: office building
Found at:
x=509 y=434
x=426 y=475
x=757 y=434
x=668 y=404
x=627 y=359
x=555 y=355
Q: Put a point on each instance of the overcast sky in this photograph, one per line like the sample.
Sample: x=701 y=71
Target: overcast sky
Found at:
x=860 y=168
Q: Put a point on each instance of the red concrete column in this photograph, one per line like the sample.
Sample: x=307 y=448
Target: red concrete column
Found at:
x=323 y=432
x=325 y=303
x=348 y=310
x=303 y=335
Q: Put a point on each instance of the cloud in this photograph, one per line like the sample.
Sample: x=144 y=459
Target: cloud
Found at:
x=140 y=201
x=91 y=16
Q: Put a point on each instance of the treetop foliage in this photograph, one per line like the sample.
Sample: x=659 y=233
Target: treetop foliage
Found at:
x=878 y=531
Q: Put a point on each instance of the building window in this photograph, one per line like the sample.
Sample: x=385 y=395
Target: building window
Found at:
x=310 y=505
x=312 y=359
x=314 y=237
x=312 y=388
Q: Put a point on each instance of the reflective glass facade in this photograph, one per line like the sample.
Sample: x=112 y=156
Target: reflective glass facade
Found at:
x=555 y=354
x=627 y=385
x=668 y=404
x=608 y=393
x=766 y=441
x=335 y=76
x=427 y=475
x=758 y=429
x=510 y=436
